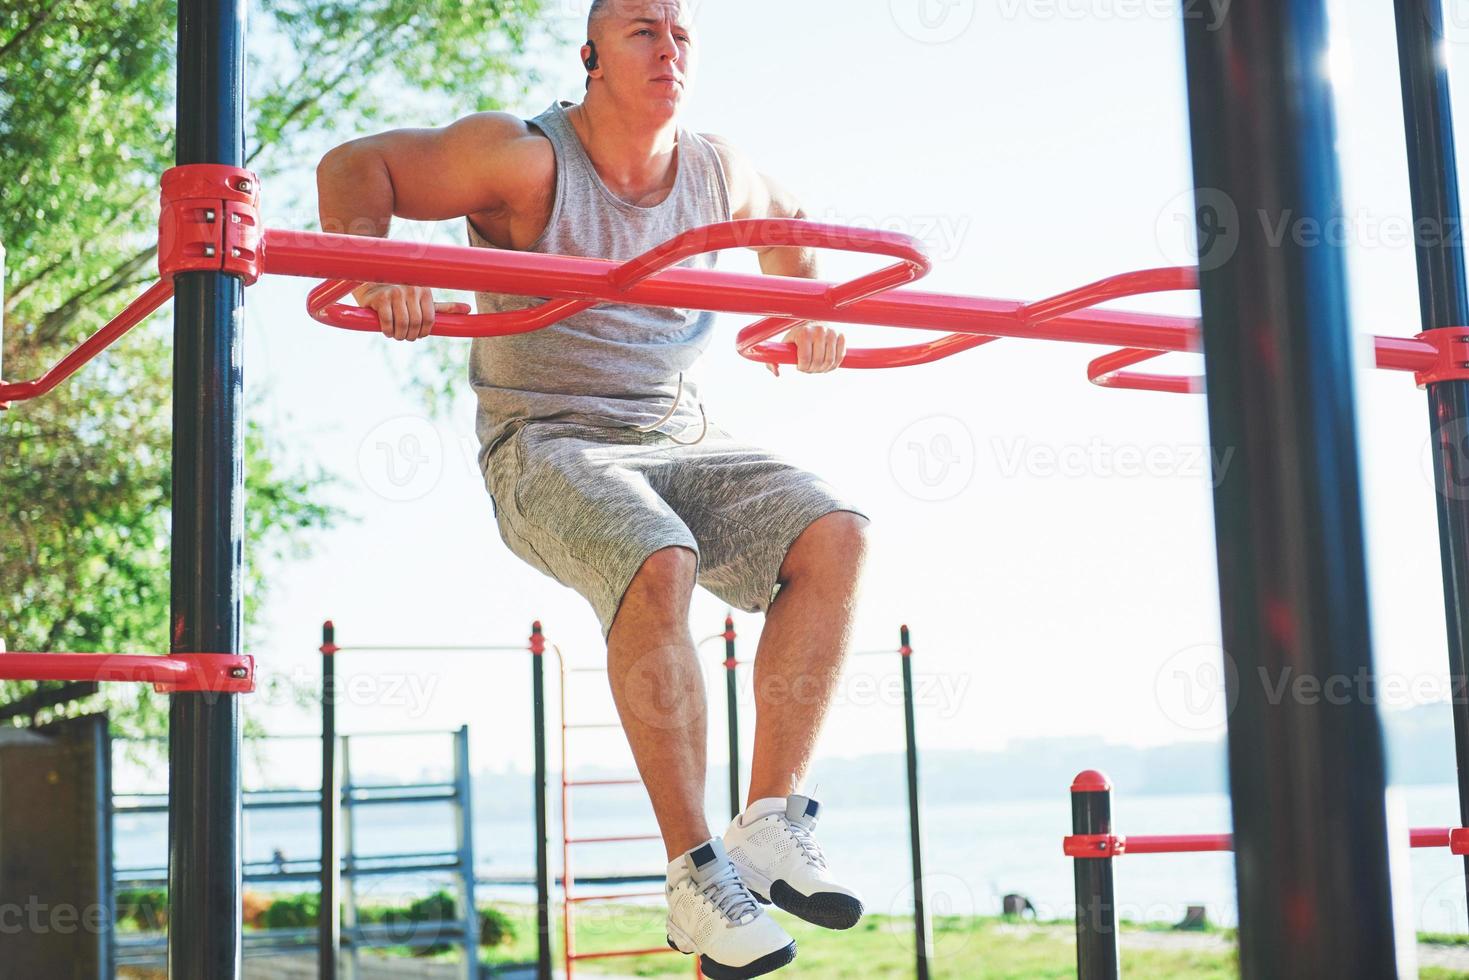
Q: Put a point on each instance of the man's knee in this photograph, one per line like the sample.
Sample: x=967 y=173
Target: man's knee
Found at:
x=833 y=541
x=664 y=583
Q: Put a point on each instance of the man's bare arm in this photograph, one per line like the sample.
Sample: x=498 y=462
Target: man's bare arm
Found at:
x=755 y=195
x=465 y=168
x=752 y=194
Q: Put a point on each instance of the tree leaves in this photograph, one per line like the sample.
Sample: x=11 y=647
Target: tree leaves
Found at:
x=86 y=130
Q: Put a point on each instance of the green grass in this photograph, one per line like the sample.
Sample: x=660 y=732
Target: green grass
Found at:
x=963 y=949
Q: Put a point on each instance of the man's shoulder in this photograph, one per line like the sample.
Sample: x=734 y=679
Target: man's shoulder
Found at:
x=739 y=173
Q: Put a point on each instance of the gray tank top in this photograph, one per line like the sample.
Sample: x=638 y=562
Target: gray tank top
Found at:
x=614 y=365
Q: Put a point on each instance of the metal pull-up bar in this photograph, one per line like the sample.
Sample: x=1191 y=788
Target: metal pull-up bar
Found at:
x=210 y=220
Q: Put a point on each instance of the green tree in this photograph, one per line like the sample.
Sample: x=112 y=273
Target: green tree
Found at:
x=86 y=128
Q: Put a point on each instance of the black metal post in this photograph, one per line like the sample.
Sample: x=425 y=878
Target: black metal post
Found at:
x=543 y=860
x=329 y=919
x=204 y=728
x=1306 y=770
x=922 y=926
x=1433 y=177
x=1097 y=956
x=732 y=713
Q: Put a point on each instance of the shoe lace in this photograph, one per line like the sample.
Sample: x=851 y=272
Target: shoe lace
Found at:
x=729 y=894
x=807 y=843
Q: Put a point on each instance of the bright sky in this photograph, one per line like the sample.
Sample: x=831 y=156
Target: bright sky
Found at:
x=1050 y=542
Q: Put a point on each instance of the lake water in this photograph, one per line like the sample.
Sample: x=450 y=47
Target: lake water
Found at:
x=973 y=853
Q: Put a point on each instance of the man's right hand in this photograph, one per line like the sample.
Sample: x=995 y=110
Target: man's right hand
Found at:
x=403 y=312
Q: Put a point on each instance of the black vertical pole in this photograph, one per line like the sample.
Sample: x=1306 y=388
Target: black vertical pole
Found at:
x=1306 y=772
x=732 y=713
x=329 y=919
x=922 y=931
x=1097 y=955
x=543 y=861
x=1434 y=181
x=204 y=870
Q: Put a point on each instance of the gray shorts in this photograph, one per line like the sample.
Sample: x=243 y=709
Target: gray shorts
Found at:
x=588 y=504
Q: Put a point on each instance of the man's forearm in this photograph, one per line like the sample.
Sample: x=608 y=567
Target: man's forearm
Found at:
x=354 y=193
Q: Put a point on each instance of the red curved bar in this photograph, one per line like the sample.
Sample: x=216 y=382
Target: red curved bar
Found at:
x=1107 y=371
x=763 y=233
x=136 y=312
x=225 y=673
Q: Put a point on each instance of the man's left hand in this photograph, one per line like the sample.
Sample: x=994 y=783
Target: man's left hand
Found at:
x=819 y=348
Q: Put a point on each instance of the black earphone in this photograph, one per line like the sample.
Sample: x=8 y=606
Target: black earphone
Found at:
x=591 y=61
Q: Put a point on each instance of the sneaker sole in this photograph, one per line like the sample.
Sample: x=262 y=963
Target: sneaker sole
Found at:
x=768 y=963
x=830 y=910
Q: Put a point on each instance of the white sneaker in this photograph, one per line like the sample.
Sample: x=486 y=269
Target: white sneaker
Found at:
x=713 y=914
x=772 y=846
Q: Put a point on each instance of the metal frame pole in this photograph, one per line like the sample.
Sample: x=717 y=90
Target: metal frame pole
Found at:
x=543 y=846
x=329 y=918
x=732 y=714
x=1097 y=953
x=204 y=863
x=1306 y=772
x=1444 y=301
x=464 y=827
x=922 y=925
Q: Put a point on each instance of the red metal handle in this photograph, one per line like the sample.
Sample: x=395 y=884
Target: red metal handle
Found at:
x=762 y=233
x=1108 y=370
x=224 y=673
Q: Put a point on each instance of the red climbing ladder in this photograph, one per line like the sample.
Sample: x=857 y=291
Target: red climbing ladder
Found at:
x=570 y=899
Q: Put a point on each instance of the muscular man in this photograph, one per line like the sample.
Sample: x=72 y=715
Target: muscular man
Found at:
x=605 y=473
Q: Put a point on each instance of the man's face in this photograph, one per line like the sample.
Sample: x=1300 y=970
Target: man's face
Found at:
x=645 y=53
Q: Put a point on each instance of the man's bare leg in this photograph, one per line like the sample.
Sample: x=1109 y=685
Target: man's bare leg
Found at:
x=659 y=691
x=799 y=660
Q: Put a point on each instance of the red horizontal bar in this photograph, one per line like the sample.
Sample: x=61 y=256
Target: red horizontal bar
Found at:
x=613 y=898
x=611 y=840
x=325 y=256
x=602 y=782
x=1178 y=843
x=595 y=724
x=1113 y=845
x=1428 y=837
x=621 y=952
x=225 y=673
